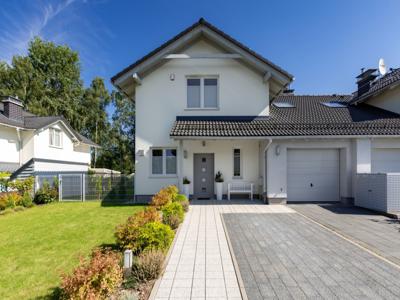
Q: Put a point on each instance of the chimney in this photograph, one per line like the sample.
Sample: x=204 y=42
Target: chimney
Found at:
x=364 y=80
x=13 y=108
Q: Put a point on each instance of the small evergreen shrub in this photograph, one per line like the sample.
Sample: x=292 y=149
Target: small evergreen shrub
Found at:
x=94 y=278
x=154 y=236
x=172 y=190
x=22 y=185
x=160 y=199
x=10 y=200
x=182 y=200
x=46 y=194
x=27 y=200
x=147 y=266
x=127 y=233
x=173 y=214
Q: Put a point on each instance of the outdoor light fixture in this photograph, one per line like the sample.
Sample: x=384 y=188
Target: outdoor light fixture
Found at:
x=277 y=150
x=203 y=143
x=185 y=154
x=140 y=153
x=172 y=76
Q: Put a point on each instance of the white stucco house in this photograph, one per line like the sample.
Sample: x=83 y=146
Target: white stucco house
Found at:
x=32 y=145
x=207 y=103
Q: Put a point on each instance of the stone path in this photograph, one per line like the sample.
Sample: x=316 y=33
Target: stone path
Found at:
x=375 y=232
x=200 y=266
x=286 y=256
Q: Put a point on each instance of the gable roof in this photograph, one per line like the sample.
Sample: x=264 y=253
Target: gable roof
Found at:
x=308 y=117
x=203 y=26
x=33 y=122
x=378 y=86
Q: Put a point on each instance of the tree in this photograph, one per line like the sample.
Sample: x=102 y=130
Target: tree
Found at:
x=47 y=80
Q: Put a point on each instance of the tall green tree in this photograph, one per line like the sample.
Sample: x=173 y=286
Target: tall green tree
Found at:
x=48 y=79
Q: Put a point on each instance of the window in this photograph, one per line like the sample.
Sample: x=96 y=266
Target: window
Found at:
x=55 y=137
x=237 y=172
x=202 y=93
x=334 y=104
x=284 y=105
x=163 y=161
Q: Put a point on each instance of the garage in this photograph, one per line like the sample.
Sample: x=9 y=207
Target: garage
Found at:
x=385 y=160
x=313 y=175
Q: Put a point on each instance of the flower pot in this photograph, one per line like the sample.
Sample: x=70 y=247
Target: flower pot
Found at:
x=219 y=186
x=186 y=188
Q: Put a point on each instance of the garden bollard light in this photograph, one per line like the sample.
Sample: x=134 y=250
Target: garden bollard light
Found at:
x=127 y=262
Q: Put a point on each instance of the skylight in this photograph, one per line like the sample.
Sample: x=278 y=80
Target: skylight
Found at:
x=334 y=104
x=284 y=104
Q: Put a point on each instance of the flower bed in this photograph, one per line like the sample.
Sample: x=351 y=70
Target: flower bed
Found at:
x=149 y=234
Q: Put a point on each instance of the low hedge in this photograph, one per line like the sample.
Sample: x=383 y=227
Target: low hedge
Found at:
x=182 y=200
x=173 y=214
x=154 y=236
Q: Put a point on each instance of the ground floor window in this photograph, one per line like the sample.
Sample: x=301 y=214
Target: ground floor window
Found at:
x=163 y=161
x=237 y=170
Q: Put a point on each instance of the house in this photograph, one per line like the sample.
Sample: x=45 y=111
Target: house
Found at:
x=31 y=145
x=207 y=103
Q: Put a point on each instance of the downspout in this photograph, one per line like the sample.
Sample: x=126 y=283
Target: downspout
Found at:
x=19 y=146
x=265 y=164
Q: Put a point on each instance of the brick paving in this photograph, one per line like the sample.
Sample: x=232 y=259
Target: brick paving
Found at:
x=200 y=266
x=376 y=232
x=286 y=256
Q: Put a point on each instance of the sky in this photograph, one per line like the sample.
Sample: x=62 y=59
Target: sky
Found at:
x=322 y=43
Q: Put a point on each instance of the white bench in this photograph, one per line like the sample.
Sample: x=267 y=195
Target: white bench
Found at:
x=240 y=188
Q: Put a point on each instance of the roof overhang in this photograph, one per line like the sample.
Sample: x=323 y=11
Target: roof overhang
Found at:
x=130 y=77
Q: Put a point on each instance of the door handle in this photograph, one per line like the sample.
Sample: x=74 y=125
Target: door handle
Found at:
x=311 y=185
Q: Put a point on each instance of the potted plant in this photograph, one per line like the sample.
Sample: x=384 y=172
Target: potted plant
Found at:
x=186 y=186
x=219 y=180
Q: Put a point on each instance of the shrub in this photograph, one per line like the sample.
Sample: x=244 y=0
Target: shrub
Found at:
x=4 y=177
x=10 y=200
x=182 y=200
x=96 y=278
x=22 y=185
x=127 y=233
x=46 y=194
x=172 y=190
x=154 y=236
x=147 y=266
x=27 y=200
x=173 y=214
x=160 y=199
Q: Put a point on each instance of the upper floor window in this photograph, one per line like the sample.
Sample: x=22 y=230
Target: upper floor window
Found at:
x=202 y=92
x=55 y=138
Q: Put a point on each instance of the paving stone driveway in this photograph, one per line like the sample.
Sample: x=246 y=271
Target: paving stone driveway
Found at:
x=375 y=232
x=286 y=256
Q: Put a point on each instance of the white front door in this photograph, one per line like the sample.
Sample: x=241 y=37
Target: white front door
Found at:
x=385 y=160
x=313 y=175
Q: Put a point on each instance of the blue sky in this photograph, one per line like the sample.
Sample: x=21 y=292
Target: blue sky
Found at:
x=323 y=43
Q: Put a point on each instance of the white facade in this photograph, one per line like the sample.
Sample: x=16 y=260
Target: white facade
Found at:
x=326 y=164
x=20 y=148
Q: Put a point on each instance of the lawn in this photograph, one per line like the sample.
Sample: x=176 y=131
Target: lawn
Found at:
x=39 y=244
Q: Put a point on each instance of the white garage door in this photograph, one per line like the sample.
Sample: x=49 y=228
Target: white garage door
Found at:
x=313 y=175
x=385 y=160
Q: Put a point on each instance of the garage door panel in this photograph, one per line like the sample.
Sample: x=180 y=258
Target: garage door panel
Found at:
x=313 y=175
x=385 y=160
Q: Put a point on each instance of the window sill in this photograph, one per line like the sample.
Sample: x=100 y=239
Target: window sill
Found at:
x=51 y=146
x=201 y=108
x=163 y=176
x=237 y=177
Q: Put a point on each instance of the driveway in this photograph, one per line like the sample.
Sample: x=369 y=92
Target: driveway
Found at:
x=371 y=230
x=287 y=256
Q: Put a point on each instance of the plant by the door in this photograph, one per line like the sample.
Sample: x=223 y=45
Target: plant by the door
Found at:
x=219 y=180
x=186 y=186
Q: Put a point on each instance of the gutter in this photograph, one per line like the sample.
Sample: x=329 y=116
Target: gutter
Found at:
x=265 y=163
x=19 y=146
x=304 y=137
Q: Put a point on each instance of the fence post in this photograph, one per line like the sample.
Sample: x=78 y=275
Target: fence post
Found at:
x=59 y=187
x=83 y=188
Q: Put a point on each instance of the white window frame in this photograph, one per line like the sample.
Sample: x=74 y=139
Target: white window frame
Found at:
x=52 y=136
x=240 y=163
x=202 y=77
x=164 y=162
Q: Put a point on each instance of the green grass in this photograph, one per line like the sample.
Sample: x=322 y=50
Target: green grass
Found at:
x=39 y=244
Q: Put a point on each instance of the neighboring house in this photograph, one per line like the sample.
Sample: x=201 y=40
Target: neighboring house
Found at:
x=207 y=103
x=31 y=145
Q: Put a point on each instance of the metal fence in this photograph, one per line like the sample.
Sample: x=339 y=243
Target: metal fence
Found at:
x=84 y=187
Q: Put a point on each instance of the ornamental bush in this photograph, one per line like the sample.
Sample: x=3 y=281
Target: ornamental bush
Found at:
x=27 y=200
x=147 y=266
x=94 y=278
x=182 y=200
x=127 y=233
x=164 y=196
x=173 y=214
x=46 y=194
x=22 y=185
x=154 y=236
x=10 y=200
